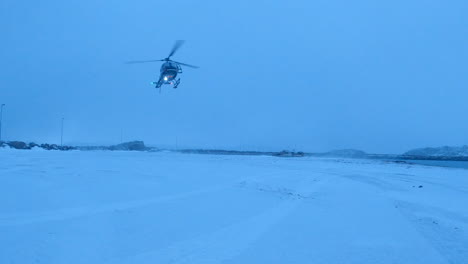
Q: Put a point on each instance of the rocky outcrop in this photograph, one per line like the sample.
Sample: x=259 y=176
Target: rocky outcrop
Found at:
x=132 y=145
x=17 y=145
x=31 y=145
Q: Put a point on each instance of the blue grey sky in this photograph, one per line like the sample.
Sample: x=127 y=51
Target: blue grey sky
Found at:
x=381 y=76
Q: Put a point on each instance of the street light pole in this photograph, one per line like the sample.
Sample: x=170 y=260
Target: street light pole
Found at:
x=1 y=116
x=61 y=134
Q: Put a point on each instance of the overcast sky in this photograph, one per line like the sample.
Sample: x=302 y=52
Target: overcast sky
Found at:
x=381 y=76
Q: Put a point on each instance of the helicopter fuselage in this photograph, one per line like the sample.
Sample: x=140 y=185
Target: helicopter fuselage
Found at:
x=169 y=71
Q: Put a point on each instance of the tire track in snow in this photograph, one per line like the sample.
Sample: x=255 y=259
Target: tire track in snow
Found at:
x=443 y=229
x=69 y=213
x=440 y=228
x=224 y=243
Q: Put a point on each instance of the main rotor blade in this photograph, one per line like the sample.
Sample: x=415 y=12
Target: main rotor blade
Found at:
x=142 y=61
x=177 y=45
x=185 y=64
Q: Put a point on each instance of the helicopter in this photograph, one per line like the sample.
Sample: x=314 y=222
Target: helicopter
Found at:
x=169 y=69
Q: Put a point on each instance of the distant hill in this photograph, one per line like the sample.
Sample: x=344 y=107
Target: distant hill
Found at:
x=445 y=151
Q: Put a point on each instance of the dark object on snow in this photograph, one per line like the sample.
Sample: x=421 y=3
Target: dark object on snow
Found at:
x=24 y=145
x=420 y=186
x=49 y=146
x=286 y=153
x=32 y=145
x=55 y=147
x=66 y=148
x=18 y=145
x=133 y=145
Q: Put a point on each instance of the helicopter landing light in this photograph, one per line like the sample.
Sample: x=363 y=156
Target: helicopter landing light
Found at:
x=165 y=78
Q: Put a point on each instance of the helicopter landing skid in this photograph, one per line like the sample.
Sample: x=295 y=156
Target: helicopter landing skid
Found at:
x=176 y=83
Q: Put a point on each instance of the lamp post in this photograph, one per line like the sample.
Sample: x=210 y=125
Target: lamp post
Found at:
x=1 y=115
x=61 y=133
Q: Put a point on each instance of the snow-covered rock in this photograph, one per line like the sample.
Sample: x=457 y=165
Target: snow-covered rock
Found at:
x=18 y=145
x=133 y=145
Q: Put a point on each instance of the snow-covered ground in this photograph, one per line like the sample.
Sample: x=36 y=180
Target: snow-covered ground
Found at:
x=140 y=207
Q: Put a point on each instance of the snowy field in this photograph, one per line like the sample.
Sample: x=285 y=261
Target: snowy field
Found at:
x=140 y=207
